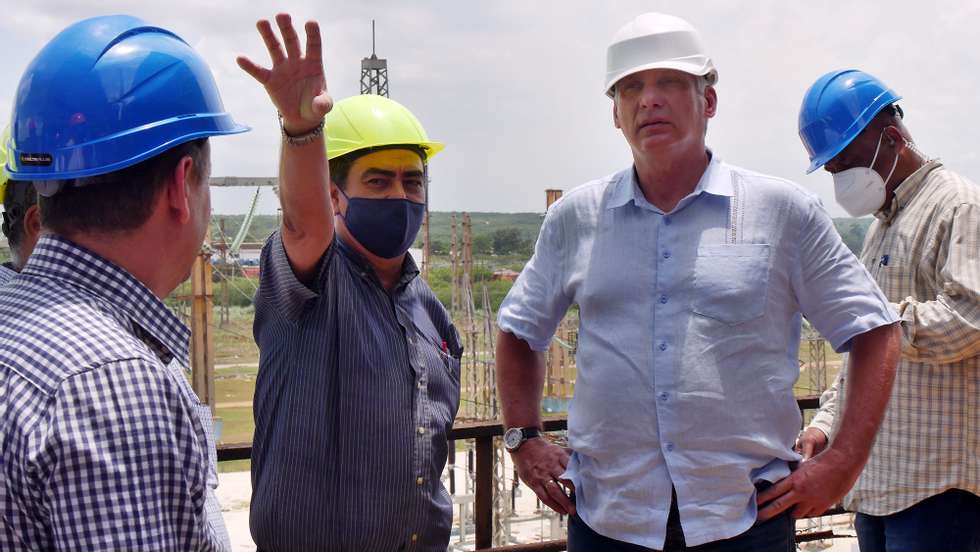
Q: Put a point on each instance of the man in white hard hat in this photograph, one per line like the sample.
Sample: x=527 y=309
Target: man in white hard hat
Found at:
x=691 y=276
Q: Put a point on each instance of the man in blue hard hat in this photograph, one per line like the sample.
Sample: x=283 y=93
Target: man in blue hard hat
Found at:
x=920 y=490
x=691 y=276
x=104 y=444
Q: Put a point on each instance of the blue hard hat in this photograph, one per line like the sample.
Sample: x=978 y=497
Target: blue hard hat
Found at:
x=107 y=93
x=836 y=109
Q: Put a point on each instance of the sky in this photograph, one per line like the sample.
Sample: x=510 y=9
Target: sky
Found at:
x=514 y=87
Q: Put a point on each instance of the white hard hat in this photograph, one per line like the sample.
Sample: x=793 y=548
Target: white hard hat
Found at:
x=657 y=41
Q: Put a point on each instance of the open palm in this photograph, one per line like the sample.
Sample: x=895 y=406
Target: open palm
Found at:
x=295 y=83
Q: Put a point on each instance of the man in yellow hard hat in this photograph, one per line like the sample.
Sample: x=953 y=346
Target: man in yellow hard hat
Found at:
x=21 y=219
x=358 y=378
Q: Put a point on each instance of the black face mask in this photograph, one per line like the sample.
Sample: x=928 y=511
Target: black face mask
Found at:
x=385 y=227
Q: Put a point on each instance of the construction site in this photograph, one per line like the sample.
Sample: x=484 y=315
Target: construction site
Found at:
x=469 y=273
x=492 y=508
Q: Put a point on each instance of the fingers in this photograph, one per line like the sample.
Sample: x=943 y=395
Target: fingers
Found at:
x=777 y=506
x=556 y=495
x=289 y=36
x=258 y=73
x=569 y=488
x=781 y=487
x=271 y=42
x=807 y=446
x=314 y=46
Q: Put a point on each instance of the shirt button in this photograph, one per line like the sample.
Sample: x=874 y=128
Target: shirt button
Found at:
x=663 y=396
x=666 y=254
x=667 y=221
x=421 y=430
x=663 y=299
x=419 y=481
x=663 y=346
x=421 y=384
x=670 y=447
x=415 y=537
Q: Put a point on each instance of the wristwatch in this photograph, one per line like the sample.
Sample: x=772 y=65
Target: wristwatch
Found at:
x=515 y=437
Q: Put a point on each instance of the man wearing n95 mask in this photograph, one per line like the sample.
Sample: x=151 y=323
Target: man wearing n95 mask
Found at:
x=919 y=490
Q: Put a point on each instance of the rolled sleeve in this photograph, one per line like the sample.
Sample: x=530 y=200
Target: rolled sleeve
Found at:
x=834 y=290
x=824 y=418
x=946 y=328
x=537 y=302
x=279 y=289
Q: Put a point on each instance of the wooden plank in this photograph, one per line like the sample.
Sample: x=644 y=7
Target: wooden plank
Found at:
x=202 y=338
x=483 y=511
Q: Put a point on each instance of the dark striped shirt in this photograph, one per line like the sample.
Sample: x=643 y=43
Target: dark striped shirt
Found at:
x=357 y=389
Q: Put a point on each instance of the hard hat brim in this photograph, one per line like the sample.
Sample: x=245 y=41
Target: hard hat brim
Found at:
x=698 y=70
x=430 y=148
x=885 y=100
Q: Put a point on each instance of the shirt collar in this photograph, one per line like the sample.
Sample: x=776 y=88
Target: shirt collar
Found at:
x=409 y=269
x=58 y=258
x=907 y=190
x=716 y=180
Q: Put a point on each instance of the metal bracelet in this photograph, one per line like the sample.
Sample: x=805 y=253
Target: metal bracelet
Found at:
x=301 y=139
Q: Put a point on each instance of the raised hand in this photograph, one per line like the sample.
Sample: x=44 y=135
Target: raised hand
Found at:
x=295 y=83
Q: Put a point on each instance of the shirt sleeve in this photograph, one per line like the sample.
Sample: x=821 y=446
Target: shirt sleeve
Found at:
x=537 y=302
x=834 y=290
x=123 y=466
x=279 y=289
x=946 y=328
x=824 y=418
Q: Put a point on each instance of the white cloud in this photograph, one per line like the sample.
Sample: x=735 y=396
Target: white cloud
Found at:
x=514 y=87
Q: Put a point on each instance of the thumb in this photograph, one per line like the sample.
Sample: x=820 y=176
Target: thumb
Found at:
x=322 y=104
x=808 y=445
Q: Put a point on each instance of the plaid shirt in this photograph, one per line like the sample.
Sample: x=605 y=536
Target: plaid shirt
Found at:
x=924 y=252
x=7 y=273
x=102 y=446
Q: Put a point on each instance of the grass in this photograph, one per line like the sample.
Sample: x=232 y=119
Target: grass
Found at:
x=236 y=360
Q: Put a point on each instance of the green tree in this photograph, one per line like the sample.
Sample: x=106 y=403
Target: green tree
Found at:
x=482 y=245
x=507 y=241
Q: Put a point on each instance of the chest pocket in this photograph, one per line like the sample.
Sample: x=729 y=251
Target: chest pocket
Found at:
x=731 y=282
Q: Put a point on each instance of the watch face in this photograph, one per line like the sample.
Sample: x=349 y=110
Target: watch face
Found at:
x=512 y=438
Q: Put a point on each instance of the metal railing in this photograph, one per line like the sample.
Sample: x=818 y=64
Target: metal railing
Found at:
x=483 y=433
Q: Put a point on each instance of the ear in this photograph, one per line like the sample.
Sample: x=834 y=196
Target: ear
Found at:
x=893 y=136
x=615 y=115
x=177 y=193
x=32 y=222
x=710 y=101
x=335 y=197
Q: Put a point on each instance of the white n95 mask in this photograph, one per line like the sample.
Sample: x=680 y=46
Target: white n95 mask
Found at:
x=860 y=190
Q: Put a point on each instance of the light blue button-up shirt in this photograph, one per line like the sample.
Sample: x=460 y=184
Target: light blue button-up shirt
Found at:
x=688 y=341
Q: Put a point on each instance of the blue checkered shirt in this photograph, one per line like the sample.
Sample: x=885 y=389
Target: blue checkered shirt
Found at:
x=102 y=446
x=7 y=273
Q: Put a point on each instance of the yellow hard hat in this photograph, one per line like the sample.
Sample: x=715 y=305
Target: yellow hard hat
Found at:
x=3 y=163
x=369 y=121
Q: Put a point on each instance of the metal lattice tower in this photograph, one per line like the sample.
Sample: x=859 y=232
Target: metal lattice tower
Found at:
x=374 y=72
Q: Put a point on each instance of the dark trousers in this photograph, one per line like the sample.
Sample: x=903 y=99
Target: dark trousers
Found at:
x=775 y=535
x=947 y=522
